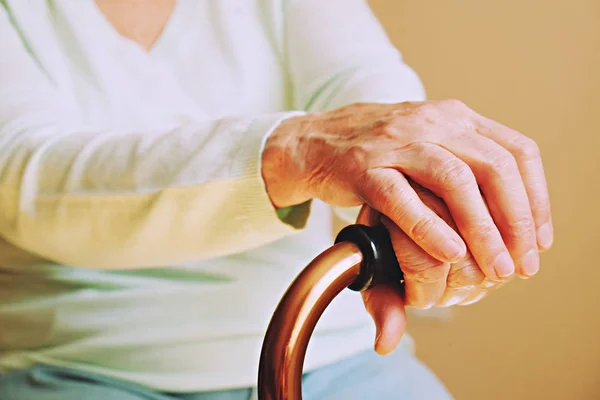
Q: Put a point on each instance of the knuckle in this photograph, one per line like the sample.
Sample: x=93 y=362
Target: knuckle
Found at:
x=417 y=298
x=502 y=163
x=454 y=175
x=355 y=161
x=481 y=233
x=415 y=263
x=421 y=229
x=391 y=200
x=489 y=284
x=386 y=129
x=382 y=196
x=540 y=206
x=519 y=228
x=454 y=105
x=526 y=148
x=426 y=110
x=433 y=274
x=465 y=275
x=542 y=211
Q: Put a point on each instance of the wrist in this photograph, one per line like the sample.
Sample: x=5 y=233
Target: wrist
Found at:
x=283 y=168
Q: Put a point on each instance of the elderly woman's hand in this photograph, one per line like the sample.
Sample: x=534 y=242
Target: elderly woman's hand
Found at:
x=490 y=177
x=463 y=197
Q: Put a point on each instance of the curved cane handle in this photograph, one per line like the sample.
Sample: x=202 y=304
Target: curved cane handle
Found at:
x=362 y=257
x=379 y=264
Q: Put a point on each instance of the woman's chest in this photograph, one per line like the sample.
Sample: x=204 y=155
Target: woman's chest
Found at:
x=141 y=21
x=210 y=59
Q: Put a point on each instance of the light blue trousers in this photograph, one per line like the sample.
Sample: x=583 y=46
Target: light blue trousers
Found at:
x=365 y=376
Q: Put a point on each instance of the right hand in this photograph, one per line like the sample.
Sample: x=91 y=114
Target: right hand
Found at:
x=490 y=177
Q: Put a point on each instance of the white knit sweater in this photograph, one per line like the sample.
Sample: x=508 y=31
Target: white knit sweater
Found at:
x=136 y=236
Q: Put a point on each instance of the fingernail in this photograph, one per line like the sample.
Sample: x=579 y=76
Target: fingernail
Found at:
x=504 y=265
x=545 y=236
x=452 y=250
x=530 y=263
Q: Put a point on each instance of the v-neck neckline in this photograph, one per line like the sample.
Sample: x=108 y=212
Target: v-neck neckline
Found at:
x=173 y=25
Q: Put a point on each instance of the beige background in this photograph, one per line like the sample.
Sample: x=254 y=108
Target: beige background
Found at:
x=534 y=65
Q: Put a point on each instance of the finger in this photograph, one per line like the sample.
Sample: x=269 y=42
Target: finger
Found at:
x=464 y=278
x=499 y=178
x=474 y=297
x=385 y=305
x=451 y=179
x=424 y=276
x=529 y=160
x=389 y=192
x=486 y=287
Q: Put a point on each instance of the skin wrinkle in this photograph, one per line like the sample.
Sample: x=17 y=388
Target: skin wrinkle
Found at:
x=310 y=163
x=385 y=131
x=458 y=288
x=389 y=127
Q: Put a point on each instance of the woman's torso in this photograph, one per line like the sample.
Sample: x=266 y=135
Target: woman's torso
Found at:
x=177 y=327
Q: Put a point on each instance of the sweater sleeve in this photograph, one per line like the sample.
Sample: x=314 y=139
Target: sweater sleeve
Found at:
x=120 y=199
x=339 y=54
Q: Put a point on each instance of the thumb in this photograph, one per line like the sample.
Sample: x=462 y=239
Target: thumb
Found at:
x=386 y=306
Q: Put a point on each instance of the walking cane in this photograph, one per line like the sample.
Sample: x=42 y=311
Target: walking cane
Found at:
x=361 y=258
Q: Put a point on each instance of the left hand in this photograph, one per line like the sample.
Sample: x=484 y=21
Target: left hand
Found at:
x=428 y=282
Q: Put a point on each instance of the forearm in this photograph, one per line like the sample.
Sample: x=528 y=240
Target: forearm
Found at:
x=130 y=199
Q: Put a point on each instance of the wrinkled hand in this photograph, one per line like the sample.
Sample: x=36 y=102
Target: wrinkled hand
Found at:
x=465 y=197
x=428 y=282
x=490 y=177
